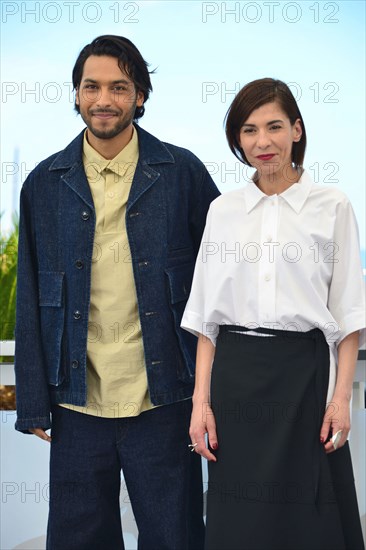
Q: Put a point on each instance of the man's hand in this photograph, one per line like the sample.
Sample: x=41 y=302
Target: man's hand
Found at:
x=41 y=434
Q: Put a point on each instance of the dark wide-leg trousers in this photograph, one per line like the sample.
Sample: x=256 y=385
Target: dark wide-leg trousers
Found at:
x=273 y=487
x=163 y=480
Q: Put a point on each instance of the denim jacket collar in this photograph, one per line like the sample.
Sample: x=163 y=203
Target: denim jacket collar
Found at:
x=151 y=152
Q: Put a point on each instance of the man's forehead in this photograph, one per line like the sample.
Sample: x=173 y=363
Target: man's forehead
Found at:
x=104 y=67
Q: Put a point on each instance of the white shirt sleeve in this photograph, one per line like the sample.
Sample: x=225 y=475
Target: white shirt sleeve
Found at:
x=346 y=299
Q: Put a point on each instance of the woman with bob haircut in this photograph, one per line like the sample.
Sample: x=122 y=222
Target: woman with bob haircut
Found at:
x=277 y=303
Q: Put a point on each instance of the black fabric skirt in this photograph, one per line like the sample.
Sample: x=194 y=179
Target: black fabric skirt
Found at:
x=273 y=487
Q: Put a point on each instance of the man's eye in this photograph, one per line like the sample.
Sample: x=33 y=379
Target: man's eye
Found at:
x=120 y=89
x=275 y=127
x=90 y=87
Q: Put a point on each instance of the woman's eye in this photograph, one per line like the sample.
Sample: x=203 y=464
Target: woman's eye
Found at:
x=248 y=130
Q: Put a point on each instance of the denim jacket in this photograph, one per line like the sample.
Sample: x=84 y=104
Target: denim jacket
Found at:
x=165 y=216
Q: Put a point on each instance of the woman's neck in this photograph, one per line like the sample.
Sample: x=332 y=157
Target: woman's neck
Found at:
x=277 y=183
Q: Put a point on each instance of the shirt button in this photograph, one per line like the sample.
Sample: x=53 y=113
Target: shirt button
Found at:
x=269 y=239
x=75 y=364
x=267 y=277
x=77 y=314
x=85 y=215
x=110 y=195
x=79 y=264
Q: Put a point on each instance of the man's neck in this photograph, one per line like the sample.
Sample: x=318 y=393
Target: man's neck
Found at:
x=109 y=148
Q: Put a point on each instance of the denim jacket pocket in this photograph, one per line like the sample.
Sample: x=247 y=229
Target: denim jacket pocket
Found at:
x=52 y=318
x=179 y=282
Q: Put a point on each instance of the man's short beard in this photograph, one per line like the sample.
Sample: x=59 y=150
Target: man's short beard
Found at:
x=112 y=133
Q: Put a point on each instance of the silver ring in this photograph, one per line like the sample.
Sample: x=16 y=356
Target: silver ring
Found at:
x=191 y=446
x=336 y=438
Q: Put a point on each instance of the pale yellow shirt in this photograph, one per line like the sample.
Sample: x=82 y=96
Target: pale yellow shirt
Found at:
x=116 y=373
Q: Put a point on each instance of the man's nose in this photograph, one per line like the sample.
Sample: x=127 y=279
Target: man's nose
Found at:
x=104 y=98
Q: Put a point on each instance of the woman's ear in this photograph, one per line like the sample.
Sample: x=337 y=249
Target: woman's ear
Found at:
x=297 y=130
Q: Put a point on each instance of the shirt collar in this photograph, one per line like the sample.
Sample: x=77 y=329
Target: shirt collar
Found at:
x=295 y=196
x=119 y=164
x=253 y=195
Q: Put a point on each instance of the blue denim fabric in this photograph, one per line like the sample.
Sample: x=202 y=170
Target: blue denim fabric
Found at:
x=87 y=454
x=166 y=211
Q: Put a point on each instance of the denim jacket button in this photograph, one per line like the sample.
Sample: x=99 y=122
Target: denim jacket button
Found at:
x=77 y=314
x=75 y=364
x=79 y=264
x=85 y=215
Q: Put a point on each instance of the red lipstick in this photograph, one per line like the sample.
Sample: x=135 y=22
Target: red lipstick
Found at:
x=265 y=157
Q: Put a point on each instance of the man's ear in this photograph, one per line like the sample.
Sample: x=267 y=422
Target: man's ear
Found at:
x=139 y=99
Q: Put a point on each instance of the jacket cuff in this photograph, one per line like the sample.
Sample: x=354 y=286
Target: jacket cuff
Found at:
x=25 y=424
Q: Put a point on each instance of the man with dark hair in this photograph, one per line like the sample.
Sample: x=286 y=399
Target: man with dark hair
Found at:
x=109 y=231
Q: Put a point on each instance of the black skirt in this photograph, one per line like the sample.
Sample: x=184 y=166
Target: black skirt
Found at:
x=273 y=487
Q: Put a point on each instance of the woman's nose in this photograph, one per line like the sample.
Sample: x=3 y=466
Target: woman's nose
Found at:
x=263 y=139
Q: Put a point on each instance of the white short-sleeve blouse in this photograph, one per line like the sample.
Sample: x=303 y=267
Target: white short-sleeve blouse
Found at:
x=288 y=261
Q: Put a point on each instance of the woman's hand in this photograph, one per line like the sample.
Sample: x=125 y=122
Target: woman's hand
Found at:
x=202 y=422
x=202 y=419
x=337 y=415
x=337 y=418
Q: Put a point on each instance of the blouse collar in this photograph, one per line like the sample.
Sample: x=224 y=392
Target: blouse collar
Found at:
x=295 y=195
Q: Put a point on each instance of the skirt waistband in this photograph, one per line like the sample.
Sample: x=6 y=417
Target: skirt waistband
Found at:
x=313 y=334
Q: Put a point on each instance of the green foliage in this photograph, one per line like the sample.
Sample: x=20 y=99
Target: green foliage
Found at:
x=8 y=267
